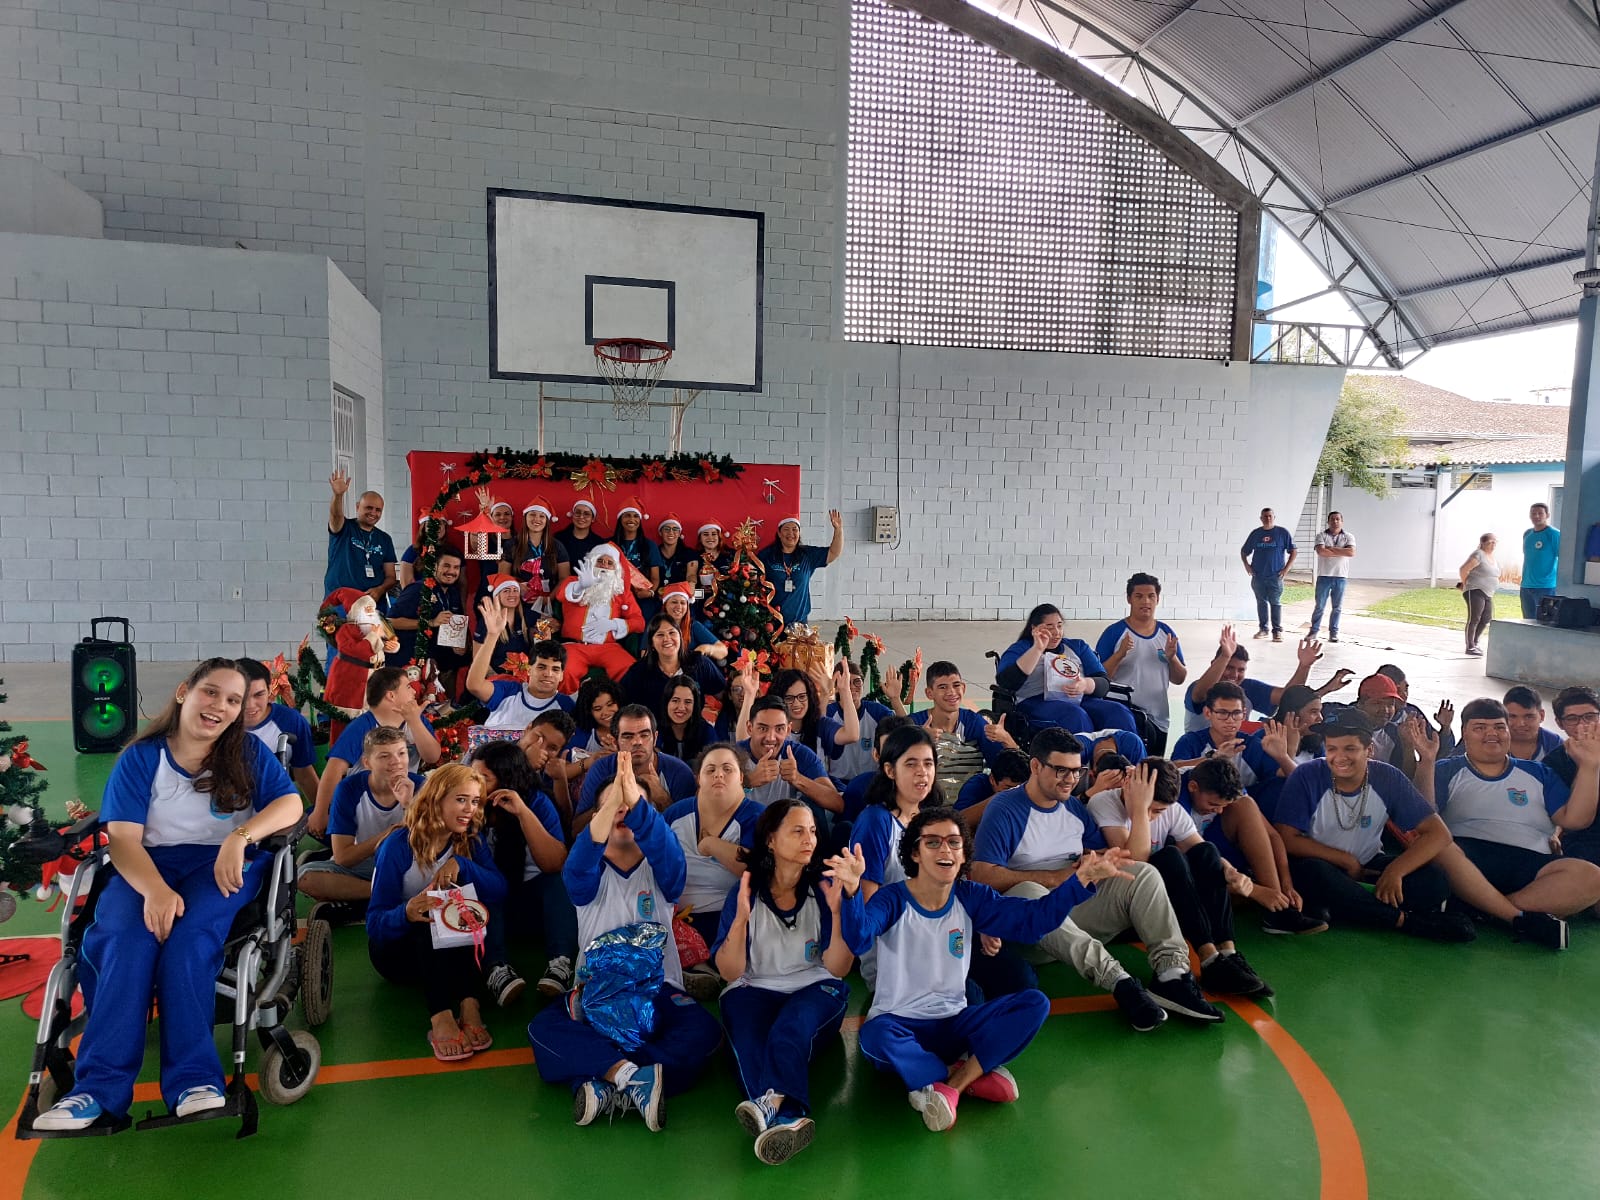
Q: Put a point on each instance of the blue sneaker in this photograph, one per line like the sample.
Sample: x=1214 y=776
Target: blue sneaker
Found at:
x=756 y=1114
x=593 y=1099
x=784 y=1138
x=198 y=1100
x=644 y=1092
x=76 y=1111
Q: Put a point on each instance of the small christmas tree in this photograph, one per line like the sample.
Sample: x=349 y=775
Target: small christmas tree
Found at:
x=20 y=787
x=741 y=613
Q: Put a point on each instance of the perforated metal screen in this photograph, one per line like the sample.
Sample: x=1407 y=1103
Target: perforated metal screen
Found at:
x=988 y=207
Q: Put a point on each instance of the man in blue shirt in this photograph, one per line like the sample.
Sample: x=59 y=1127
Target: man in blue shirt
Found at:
x=1267 y=554
x=790 y=566
x=1541 y=548
x=360 y=555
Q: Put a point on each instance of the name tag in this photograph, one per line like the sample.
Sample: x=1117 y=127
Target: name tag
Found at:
x=371 y=574
x=788 y=585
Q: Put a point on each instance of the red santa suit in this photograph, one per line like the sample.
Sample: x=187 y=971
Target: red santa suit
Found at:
x=597 y=610
x=361 y=643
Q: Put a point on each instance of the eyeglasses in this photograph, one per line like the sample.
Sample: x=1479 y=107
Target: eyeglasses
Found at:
x=954 y=842
x=1580 y=719
x=1064 y=773
x=1228 y=714
x=794 y=698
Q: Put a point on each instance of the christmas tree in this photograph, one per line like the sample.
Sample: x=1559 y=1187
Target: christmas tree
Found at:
x=741 y=612
x=20 y=813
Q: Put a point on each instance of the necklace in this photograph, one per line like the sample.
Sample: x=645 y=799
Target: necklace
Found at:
x=1356 y=810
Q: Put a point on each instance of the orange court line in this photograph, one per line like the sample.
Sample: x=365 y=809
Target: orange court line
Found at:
x=1344 y=1170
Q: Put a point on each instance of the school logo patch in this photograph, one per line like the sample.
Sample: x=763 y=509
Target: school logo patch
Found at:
x=646 y=906
x=1366 y=821
x=958 y=943
x=813 y=950
x=1517 y=796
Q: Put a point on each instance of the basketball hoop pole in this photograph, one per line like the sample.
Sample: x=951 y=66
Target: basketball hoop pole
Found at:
x=679 y=404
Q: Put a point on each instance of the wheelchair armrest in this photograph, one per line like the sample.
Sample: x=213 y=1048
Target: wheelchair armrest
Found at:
x=81 y=830
x=1120 y=691
x=289 y=837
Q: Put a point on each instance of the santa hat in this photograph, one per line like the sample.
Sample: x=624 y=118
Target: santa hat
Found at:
x=635 y=507
x=498 y=583
x=708 y=526
x=494 y=504
x=539 y=505
x=795 y=521
x=670 y=519
x=678 y=589
x=577 y=504
x=426 y=517
x=342 y=598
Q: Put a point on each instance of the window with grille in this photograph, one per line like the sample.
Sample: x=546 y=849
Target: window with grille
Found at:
x=988 y=207
x=350 y=437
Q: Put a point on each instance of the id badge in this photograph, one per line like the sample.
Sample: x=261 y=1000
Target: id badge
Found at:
x=371 y=574
x=788 y=585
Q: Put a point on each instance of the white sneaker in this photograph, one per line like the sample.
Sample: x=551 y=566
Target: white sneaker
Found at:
x=77 y=1111
x=198 y=1100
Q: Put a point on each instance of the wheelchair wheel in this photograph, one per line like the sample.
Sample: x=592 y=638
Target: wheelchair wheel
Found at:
x=276 y=1072
x=316 y=973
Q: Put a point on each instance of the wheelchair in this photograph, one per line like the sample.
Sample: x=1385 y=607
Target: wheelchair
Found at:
x=264 y=971
x=1003 y=702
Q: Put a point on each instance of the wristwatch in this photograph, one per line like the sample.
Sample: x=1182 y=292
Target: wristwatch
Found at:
x=244 y=832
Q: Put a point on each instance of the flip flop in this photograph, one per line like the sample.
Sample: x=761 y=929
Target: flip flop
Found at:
x=469 y=1032
x=443 y=1057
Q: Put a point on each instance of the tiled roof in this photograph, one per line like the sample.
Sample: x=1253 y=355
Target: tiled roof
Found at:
x=1448 y=428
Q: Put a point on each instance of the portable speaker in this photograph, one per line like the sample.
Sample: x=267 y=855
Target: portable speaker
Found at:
x=105 y=688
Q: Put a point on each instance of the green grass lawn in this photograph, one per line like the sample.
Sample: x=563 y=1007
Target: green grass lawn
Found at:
x=1441 y=607
x=1294 y=593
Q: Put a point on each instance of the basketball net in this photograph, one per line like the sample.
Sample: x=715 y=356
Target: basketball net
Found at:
x=632 y=367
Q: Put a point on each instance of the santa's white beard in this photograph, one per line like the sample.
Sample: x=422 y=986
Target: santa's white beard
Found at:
x=597 y=589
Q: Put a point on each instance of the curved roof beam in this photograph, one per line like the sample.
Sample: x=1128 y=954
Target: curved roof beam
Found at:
x=1526 y=266
x=1177 y=16
x=1377 y=46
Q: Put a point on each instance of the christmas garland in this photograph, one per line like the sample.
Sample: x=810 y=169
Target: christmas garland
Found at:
x=871 y=651
x=582 y=471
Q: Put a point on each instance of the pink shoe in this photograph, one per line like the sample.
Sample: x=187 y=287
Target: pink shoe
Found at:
x=937 y=1103
x=996 y=1087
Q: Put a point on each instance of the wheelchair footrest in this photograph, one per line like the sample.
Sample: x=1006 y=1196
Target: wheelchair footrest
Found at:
x=241 y=1104
x=104 y=1127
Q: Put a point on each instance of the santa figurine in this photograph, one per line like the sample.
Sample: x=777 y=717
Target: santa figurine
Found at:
x=598 y=609
x=362 y=643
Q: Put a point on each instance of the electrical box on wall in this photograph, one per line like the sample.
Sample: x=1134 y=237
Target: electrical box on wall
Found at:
x=885 y=523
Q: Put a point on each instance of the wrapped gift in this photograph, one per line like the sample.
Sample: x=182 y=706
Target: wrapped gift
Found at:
x=803 y=650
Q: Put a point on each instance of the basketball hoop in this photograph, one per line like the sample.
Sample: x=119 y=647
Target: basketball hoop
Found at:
x=632 y=366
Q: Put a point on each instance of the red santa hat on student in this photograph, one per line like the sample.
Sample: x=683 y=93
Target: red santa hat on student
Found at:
x=709 y=525
x=686 y=590
x=670 y=519
x=498 y=504
x=589 y=504
x=426 y=517
x=636 y=507
x=499 y=583
x=539 y=505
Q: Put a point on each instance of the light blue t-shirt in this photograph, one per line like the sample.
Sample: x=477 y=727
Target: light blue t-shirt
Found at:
x=1540 y=550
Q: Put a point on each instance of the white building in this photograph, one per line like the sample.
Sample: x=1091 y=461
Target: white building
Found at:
x=1474 y=467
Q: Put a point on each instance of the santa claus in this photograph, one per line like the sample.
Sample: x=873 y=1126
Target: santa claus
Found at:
x=362 y=643
x=597 y=610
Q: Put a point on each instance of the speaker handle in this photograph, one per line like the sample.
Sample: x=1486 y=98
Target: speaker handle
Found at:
x=94 y=628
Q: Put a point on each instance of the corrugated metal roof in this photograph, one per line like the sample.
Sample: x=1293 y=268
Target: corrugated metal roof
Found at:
x=1355 y=102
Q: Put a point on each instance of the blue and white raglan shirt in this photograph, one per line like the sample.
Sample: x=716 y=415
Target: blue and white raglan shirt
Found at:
x=783 y=949
x=706 y=881
x=608 y=897
x=348 y=747
x=805 y=761
x=397 y=876
x=1110 y=812
x=544 y=811
x=354 y=812
x=1549 y=739
x=1254 y=763
x=924 y=955
x=1070 y=659
x=675 y=775
x=1145 y=668
x=1514 y=808
x=1019 y=835
x=281 y=719
x=1257 y=695
x=148 y=788
x=974 y=791
x=512 y=706
x=1352 y=822
x=856 y=758
x=877 y=832
x=855 y=794
x=1128 y=744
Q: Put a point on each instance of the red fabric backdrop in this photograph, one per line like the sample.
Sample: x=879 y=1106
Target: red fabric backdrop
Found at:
x=728 y=501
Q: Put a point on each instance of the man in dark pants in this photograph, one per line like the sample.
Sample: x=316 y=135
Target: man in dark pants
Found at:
x=1267 y=554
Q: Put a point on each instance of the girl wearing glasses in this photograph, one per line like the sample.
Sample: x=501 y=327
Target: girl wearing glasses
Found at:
x=923 y=927
x=781 y=949
x=805 y=697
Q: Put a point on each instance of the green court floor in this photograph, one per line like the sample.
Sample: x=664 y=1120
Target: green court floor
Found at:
x=1384 y=1068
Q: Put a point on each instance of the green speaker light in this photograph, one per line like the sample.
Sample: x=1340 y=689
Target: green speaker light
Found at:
x=102 y=675
x=103 y=719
